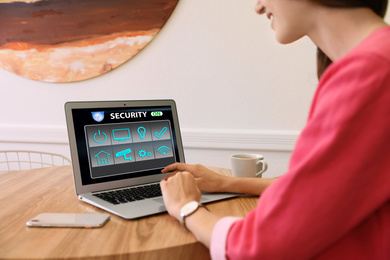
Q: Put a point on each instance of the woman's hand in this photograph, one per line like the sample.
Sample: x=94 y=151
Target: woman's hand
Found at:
x=178 y=190
x=210 y=181
x=205 y=179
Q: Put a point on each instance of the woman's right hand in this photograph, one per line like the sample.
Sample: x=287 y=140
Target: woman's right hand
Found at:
x=206 y=179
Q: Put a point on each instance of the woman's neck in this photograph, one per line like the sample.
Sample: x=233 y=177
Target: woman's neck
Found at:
x=336 y=31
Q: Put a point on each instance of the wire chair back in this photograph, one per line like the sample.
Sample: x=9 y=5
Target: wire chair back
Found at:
x=15 y=160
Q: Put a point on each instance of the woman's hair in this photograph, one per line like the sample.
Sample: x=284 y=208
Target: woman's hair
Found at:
x=378 y=6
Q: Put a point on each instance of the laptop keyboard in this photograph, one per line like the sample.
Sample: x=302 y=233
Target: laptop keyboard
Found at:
x=131 y=194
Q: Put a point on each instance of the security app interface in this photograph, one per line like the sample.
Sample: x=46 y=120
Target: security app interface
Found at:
x=124 y=142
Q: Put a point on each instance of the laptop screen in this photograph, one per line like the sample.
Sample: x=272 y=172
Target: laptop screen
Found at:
x=116 y=143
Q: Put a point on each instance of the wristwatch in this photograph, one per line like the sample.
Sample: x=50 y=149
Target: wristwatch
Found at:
x=188 y=210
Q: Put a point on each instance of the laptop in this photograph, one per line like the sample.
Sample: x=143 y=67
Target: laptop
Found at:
x=118 y=149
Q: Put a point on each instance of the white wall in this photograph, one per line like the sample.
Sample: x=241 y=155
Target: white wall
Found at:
x=236 y=88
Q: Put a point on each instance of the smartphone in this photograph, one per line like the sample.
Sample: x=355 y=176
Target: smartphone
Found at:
x=69 y=220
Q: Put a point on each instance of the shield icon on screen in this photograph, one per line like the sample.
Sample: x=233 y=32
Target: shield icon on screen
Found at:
x=98 y=116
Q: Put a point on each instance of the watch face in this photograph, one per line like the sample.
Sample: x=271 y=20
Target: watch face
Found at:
x=189 y=208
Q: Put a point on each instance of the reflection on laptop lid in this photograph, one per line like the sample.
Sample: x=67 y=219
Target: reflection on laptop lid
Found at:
x=117 y=145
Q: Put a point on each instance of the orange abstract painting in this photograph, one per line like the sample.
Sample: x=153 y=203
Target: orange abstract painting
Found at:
x=73 y=40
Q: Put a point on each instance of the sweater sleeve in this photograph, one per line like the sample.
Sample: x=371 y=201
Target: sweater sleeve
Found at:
x=218 y=238
x=338 y=172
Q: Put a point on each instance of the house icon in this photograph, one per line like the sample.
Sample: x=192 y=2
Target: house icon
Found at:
x=103 y=158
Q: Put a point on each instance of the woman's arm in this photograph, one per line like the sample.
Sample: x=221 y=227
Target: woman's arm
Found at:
x=183 y=184
x=210 y=181
x=177 y=191
x=254 y=186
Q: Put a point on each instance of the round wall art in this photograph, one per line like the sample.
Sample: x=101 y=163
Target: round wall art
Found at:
x=72 y=40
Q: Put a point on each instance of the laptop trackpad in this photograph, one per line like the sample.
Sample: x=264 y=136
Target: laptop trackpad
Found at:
x=206 y=197
x=159 y=200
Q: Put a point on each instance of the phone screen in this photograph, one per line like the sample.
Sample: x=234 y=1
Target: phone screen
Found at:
x=69 y=220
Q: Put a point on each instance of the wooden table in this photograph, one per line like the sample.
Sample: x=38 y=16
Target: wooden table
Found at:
x=25 y=194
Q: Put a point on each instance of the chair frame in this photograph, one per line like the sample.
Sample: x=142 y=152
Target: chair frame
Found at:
x=38 y=160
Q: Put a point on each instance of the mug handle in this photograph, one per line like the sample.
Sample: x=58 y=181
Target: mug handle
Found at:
x=263 y=168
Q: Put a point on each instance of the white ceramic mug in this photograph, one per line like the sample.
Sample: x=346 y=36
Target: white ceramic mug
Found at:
x=248 y=165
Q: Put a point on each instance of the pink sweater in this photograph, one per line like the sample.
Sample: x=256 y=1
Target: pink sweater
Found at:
x=334 y=201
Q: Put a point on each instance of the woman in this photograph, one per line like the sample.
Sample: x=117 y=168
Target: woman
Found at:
x=334 y=200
